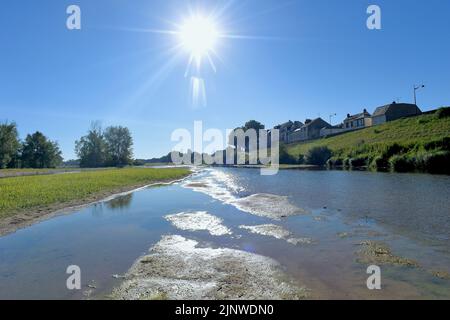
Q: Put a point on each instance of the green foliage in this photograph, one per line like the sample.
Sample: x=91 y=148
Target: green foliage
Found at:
x=417 y=143
x=112 y=147
x=9 y=145
x=91 y=149
x=39 y=152
x=119 y=145
x=34 y=192
x=358 y=162
x=318 y=156
x=402 y=163
x=443 y=112
x=285 y=157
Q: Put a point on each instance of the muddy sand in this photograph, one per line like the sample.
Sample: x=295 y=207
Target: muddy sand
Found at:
x=178 y=268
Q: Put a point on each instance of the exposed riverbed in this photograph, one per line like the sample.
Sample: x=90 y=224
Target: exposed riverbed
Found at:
x=296 y=235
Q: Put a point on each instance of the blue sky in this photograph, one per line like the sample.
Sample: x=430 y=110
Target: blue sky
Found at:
x=310 y=58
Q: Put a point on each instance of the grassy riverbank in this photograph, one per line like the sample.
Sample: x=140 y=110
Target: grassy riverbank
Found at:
x=47 y=192
x=418 y=143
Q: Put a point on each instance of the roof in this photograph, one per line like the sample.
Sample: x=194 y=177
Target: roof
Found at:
x=315 y=121
x=361 y=115
x=384 y=109
x=381 y=110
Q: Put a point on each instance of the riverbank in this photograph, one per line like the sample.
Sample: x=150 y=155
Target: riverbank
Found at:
x=413 y=144
x=26 y=200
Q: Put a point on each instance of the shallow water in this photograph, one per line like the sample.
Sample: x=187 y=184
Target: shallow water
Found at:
x=336 y=210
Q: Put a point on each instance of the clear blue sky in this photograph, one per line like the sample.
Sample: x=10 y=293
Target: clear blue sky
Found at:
x=313 y=57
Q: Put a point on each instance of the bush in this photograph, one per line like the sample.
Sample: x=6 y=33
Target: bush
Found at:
x=318 y=156
x=346 y=162
x=285 y=157
x=437 y=162
x=380 y=162
x=401 y=163
x=443 y=112
x=358 y=162
x=335 y=162
x=443 y=144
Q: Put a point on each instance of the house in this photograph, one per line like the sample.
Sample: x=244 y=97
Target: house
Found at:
x=309 y=131
x=286 y=129
x=358 y=121
x=393 y=112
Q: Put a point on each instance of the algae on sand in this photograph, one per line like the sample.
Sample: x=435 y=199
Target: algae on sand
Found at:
x=198 y=221
x=177 y=268
x=380 y=253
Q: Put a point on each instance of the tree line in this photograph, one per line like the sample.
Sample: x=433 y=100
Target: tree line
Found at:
x=36 y=151
x=105 y=148
x=98 y=148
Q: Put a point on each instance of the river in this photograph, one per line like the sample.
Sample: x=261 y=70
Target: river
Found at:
x=337 y=211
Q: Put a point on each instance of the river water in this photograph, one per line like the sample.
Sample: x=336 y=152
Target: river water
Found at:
x=409 y=213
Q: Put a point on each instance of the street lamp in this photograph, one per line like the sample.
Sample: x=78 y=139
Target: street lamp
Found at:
x=331 y=116
x=415 y=95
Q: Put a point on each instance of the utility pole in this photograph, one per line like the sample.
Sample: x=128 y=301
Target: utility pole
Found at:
x=415 y=95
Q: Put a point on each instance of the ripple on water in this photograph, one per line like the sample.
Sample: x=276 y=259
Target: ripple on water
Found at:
x=223 y=187
x=278 y=232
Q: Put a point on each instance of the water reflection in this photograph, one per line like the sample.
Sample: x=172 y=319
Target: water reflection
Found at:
x=121 y=202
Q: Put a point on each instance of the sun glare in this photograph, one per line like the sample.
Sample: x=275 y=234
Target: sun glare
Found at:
x=199 y=36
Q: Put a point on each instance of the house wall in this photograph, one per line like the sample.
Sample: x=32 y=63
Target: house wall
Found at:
x=402 y=111
x=378 y=120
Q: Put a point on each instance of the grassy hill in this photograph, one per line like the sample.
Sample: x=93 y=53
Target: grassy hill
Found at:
x=409 y=142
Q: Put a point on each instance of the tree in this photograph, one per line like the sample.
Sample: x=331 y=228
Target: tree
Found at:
x=9 y=144
x=91 y=149
x=318 y=155
x=39 y=152
x=119 y=145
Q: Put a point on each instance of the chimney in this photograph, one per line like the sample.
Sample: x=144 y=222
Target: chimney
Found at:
x=348 y=115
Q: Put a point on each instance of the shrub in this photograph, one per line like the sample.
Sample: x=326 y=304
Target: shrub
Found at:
x=318 y=156
x=401 y=163
x=358 y=162
x=301 y=159
x=443 y=144
x=285 y=157
x=346 y=162
x=337 y=162
x=380 y=162
x=437 y=162
x=443 y=112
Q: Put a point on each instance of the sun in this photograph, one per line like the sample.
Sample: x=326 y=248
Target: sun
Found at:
x=199 y=36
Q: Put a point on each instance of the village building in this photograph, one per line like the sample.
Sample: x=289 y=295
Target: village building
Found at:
x=394 y=111
x=358 y=121
x=286 y=129
x=309 y=131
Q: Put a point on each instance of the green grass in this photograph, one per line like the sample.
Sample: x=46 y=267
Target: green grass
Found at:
x=415 y=130
x=413 y=144
x=25 y=193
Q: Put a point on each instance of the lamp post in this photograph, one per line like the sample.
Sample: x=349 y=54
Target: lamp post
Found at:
x=415 y=95
x=331 y=116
